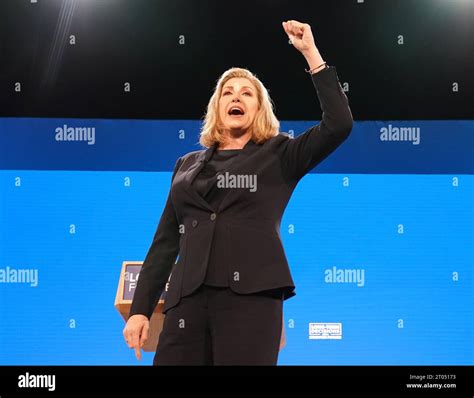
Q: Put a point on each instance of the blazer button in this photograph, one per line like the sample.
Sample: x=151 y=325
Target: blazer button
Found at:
x=194 y=223
x=213 y=216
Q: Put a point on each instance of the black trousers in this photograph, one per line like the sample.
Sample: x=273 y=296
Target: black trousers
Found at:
x=215 y=326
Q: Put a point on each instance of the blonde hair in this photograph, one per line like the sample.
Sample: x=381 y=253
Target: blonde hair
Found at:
x=265 y=124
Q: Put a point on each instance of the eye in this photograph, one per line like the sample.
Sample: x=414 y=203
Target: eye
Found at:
x=228 y=92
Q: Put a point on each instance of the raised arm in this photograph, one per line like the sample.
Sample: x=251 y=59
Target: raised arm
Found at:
x=314 y=145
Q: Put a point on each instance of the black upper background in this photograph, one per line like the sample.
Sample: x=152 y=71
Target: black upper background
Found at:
x=136 y=41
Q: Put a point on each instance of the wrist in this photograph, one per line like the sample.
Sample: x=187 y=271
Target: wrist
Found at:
x=313 y=57
x=315 y=63
x=317 y=69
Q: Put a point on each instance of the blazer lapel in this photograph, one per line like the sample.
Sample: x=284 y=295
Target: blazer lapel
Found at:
x=203 y=157
x=194 y=170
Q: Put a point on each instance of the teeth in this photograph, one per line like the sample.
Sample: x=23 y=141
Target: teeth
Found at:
x=236 y=108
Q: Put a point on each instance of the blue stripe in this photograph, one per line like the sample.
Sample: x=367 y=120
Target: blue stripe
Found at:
x=442 y=147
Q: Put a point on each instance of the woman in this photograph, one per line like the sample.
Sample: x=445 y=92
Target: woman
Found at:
x=224 y=296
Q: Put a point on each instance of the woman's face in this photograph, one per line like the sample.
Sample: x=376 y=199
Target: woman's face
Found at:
x=239 y=93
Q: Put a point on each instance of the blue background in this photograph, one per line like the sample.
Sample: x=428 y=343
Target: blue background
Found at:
x=408 y=276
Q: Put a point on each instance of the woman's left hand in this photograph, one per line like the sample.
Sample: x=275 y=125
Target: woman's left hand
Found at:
x=300 y=35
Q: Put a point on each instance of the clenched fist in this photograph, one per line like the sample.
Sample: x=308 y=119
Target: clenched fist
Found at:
x=300 y=35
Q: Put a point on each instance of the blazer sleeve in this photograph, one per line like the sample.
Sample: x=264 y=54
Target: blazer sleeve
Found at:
x=304 y=152
x=159 y=260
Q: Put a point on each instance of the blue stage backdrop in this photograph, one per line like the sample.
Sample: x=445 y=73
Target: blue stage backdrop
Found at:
x=380 y=239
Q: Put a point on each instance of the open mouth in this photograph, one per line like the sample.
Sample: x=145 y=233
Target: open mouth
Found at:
x=236 y=111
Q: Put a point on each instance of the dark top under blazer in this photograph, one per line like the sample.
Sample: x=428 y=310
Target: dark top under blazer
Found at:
x=206 y=184
x=246 y=226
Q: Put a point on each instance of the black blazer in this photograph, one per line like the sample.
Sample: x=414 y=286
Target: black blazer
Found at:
x=245 y=229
